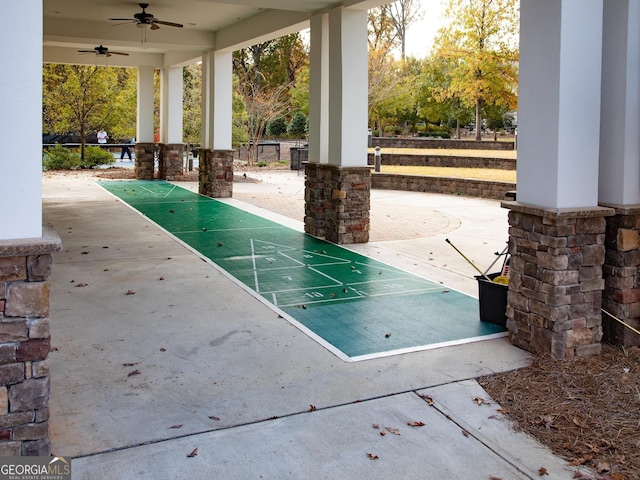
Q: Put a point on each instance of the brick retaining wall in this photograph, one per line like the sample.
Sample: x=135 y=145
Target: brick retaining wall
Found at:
x=450 y=186
x=444 y=161
x=417 y=142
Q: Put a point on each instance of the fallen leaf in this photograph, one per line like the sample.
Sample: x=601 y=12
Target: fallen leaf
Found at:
x=193 y=454
x=176 y=426
x=55 y=349
x=162 y=349
x=130 y=292
x=395 y=431
x=602 y=467
x=415 y=424
x=465 y=433
x=213 y=417
x=161 y=278
x=479 y=400
x=135 y=372
x=543 y=471
x=84 y=253
x=503 y=411
x=372 y=456
x=219 y=244
x=81 y=285
x=376 y=426
x=312 y=408
x=382 y=433
x=578 y=461
x=387 y=335
x=495 y=478
x=130 y=364
x=428 y=399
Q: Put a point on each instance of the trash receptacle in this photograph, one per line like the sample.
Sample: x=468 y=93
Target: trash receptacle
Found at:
x=492 y=297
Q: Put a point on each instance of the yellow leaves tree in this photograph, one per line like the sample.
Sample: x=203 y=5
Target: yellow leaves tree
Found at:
x=480 y=45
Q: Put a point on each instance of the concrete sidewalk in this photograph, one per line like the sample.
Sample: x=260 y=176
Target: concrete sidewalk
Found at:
x=157 y=354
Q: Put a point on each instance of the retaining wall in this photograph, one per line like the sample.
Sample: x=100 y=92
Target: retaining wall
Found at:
x=418 y=142
x=450 y=186
x=444 y=161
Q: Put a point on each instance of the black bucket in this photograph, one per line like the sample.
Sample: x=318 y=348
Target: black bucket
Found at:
x=493 y=300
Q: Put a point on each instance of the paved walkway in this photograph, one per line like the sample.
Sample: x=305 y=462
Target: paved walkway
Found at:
x=163 y=368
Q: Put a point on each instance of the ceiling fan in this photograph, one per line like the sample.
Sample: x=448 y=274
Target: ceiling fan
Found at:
x=103 y=51
x=146 y=20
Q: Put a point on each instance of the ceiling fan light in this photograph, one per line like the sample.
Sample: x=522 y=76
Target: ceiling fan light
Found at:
x=143 y=25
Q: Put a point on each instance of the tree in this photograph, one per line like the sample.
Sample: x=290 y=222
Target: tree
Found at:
x=297 y=127
x=266 y=74
x=82 y=99
x=480 y=44
x=402 y=13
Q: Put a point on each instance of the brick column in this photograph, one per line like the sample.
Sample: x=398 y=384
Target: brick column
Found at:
x=25 y=342
x=556 y=281
x=170 y=160
x=622 y=276
x=337 y=202
x=215 y=174
x=145 y=164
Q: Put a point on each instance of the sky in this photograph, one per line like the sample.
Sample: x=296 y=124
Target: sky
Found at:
x=420 y=35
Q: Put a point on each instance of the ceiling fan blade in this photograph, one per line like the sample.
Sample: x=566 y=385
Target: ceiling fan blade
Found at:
x=123 y=19
x=118 y=53
x=129 y=21
x=169 y=24
x=86 y=51
x=154 y=26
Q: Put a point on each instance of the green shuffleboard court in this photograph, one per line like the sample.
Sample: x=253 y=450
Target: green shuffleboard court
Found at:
x=355 y=306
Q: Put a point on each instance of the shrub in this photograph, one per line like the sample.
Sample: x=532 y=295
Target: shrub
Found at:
x=60 y=158
x=298 y=125
x=94 y=156
x=276 y=127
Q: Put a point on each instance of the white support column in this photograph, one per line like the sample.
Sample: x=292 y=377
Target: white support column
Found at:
x=620 y=120
x=171 y=88
x=319 y=90
x=145 y=105
x=21 y=123
x=348 y=87
x=217 y=97
x=559 y=102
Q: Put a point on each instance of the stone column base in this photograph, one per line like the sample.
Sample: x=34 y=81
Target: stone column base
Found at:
x=556 y=282
x=25 y=342
x=145 y=163
x=337 y=202
x=622 y=276
x=170 y=160
x=215 y=174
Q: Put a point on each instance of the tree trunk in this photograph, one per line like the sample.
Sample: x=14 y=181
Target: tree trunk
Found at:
x=83 y=140
x=457 y=129
x=478 y=120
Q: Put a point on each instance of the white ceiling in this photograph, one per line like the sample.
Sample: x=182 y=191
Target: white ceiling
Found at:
x=70 y=25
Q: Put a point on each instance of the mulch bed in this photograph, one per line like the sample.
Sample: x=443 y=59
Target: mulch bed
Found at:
x=586 y=410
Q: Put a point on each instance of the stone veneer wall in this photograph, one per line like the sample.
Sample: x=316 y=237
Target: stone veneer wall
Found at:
x=556 y=281
x=145 y=163
x=170 y=160
x=622 y=276
x=25 y=342
x=418 y=142
x=337 y=202
x=451 y=186
x=215 y=174
x=444 y=161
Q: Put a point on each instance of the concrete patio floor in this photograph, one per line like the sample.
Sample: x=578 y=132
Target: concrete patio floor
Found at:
x=157 y=353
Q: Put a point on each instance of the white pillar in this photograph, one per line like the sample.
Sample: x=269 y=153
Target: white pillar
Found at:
x=145 y=105
x=620 y=120
x=348 y=87
x=171 y=88
x=217 y=98
x=559 y=102
x=319 y=90
x=21 y=121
